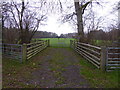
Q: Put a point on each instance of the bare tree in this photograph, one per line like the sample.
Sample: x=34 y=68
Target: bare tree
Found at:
x=80 y=8
x=92 y=22
x=23 y=18
x=119 y=20
x=0 y=24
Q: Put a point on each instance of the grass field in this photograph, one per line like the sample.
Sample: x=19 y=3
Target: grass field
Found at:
x=65 y=42
x=61 y=42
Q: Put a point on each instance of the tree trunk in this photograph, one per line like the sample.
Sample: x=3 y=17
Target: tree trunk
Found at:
x=79 y=20
x=119 y=21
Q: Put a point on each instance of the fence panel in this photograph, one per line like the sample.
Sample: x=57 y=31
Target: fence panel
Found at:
x=34 y=48
x=90 y=52
x=23 y=52
x=13 y=51
x=113 y=58
x=105 y=58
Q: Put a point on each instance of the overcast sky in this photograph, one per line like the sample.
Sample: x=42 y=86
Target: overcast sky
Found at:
x=52 y=25
x=106 y=11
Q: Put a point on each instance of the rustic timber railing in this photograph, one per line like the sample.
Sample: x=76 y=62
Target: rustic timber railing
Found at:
x=13 y=51
x=113 y=58
x=23 y=52
x=34 y=48
x=98 y=56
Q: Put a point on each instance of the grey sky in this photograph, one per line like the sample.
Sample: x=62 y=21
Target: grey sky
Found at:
x=55 y=26
x=106 y=11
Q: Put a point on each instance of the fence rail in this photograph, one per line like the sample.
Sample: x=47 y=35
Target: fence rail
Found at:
x=104 y=58
x=89 y=52
x=113 y=58
x=34 y=48
x=13 y=51
x=23 y=52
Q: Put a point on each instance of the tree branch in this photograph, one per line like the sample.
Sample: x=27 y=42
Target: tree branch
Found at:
x=85 y=5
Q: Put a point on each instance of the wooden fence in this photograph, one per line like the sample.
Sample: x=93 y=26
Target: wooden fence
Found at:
x=13 y=51
x=98 y=56
x=25 y=51
x=34 y=48
x=113 y=58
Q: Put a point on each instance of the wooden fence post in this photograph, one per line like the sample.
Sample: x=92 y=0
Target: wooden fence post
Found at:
x=74 y=44
x=70 y=43
x=24 y=52
x=48 y=42
x=103 y=58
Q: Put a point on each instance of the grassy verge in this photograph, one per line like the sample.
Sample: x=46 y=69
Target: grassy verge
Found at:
x=16 y=74
x=97 y=78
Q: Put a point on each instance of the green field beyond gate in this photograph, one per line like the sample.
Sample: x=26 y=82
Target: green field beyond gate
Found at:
x=61 y=42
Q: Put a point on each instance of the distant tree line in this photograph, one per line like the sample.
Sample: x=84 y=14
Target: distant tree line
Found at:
x=11 y=35
x=68 y=35
x=44 y=34
x=112 y=35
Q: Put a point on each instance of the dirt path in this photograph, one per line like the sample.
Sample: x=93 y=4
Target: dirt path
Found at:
x=57 y=68
x=51 y=68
